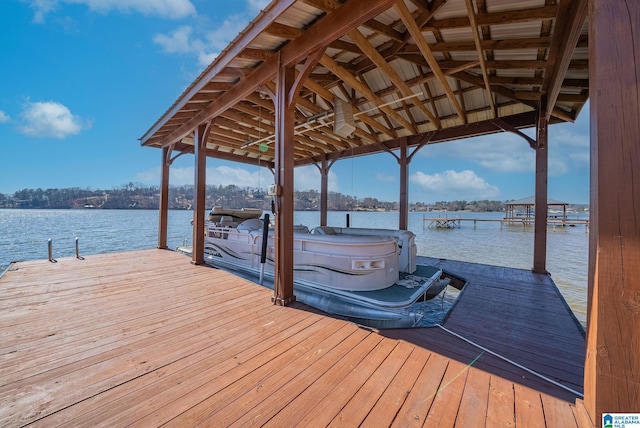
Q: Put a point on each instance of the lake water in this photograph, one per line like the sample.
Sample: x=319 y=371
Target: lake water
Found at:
x=24 y=235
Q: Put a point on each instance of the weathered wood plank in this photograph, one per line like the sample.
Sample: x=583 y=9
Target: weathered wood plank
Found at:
x=501 y=403
x=331 y=403
x=419 y=400
x=305 y=402
x=279 y=400
x=183 y=344
x=473 y=406
x=357 y=409
x=528 y=407
x=386 y=408
x=558 y=413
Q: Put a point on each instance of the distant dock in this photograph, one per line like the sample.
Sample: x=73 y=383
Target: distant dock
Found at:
x=448 y=222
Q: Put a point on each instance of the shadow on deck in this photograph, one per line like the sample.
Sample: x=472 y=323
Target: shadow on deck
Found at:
x=145 y=338
x=516 y=314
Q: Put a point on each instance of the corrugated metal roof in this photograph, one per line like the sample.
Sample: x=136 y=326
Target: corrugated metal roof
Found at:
x=515 y=37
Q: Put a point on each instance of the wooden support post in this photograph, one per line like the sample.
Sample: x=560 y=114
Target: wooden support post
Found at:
x=324 y=191
x=200 y=146
x=542 y=167
x=403 y=222
x=164 y=199
x=285 y=138
x=612 y=364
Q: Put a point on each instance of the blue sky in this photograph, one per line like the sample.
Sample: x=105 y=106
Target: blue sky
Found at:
x=82 y=80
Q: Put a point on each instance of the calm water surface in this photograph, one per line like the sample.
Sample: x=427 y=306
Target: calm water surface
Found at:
x=24 y=235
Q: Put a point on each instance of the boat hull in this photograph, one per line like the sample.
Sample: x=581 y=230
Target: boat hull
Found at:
x=352 y=275
x=342 y=262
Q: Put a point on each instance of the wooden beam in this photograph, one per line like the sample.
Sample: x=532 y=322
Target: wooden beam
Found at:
x=386 y=68
x=495 y=18
x=283 y=31
x=364 y=89
x=474 y=129
x=201 y=135
x=507 y=93
x=417 y=36
x=612 y=364
x=283 y=237
x=243 y=40
x=403 y=161
x=568 y=26
x=372 y=24
x=240 y=158
x=329 y=28
x=541 y=194
x=164 y=198
x=478 y=44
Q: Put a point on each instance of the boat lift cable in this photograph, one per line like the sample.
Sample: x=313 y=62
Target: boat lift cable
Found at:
x=558 y=384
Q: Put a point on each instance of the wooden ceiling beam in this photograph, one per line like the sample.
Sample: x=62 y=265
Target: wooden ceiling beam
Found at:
x=216 y=87
x=419 y=39
x=364 y=89
x=507 y=93
x=256 y=54
x=386 y=68
x=495 y=18
x=519 y=121
x=373 y=24
x=503 y=65
x=476 y=37
x=284 y=31
x=326 y=30
x=568 y=25
x=257 y=158
x=226 y=56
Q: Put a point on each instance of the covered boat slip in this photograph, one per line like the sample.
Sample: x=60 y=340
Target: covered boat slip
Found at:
x=143 y=338
x=316 y=81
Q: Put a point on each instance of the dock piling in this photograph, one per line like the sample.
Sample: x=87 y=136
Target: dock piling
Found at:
x=78 y=250
x=50 y=251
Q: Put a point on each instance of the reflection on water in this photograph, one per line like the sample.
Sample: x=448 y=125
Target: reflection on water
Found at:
x=24 y=235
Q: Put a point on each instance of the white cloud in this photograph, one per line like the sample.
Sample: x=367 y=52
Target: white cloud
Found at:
x=572 y=147
x=308 y=178
x=42 y=8
x=305 y=178
x=385 y=178
x=508 y=153
x=503 y=153
x=206 y=44
x=225 y=176
x=4 y=118
x=258 y=5
x=178 y=41
x=455 y=185
x=221 y=175
x=50 y=119
x=173 y=9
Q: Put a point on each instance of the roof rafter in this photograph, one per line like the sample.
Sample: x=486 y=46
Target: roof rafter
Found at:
x=476 y=37
x=329 y=28
x=364 y=89
x=564 y=40
x=412 y=27
x=377 y=59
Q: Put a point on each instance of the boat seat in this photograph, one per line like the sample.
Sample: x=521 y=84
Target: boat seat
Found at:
x=250 y=225
x=227 y=221
x=323 y=230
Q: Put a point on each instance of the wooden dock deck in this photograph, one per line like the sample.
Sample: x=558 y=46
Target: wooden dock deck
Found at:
x=144 y=338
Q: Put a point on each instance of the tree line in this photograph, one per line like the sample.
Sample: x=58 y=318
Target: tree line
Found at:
x=137 y=196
